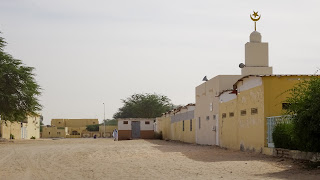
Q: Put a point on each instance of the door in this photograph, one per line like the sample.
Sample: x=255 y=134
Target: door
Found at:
x=135 y=129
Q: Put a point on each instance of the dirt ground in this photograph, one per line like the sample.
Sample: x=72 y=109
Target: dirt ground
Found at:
x=138 y=159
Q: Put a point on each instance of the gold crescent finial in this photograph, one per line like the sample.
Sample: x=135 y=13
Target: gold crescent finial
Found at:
x=255 y=19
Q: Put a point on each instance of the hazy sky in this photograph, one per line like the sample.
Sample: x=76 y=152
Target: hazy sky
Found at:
x=90 y=52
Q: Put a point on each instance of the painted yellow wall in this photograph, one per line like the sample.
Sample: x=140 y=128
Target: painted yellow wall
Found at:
x=174 y=131
x=163 y=126
x=243 y=130
x=7 y=128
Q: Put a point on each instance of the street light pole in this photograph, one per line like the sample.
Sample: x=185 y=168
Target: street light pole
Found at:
x=104 y=119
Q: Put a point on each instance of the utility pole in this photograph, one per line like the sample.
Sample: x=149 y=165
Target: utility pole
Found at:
x=104 y=119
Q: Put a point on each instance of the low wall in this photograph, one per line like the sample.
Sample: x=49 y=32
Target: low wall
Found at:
x=293 y=154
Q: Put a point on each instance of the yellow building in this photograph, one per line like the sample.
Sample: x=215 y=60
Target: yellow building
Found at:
x=178 y=124
x=244 y=109
x=70 y=128
x=26 y=129
x=75 y=128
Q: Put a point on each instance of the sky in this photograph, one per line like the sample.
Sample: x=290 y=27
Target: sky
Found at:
x=90 y=52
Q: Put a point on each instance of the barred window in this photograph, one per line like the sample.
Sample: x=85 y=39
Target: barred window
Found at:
x=231 y=114
x=125 y=122
x=254 y=110
x=224 y=115
x=243 y=112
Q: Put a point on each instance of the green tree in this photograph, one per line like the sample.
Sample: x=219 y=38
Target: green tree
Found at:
x=18 y=89
x=305 y=109
x=144 y=106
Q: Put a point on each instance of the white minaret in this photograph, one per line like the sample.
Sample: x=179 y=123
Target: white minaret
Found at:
x=256 y=55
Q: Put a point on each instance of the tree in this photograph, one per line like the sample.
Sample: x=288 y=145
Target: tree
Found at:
x=305 y=109
x=144 y=106
x=18 y=89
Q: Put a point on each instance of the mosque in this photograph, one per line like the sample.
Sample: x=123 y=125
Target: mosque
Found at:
x=236 y=111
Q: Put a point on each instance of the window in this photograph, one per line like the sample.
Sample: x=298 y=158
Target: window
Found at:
x=254 y=111
x=243 y=112
x=190 y=124
x=49 y=133
x=224 y=115
x=93 y=122
x=183 y=125
x=59 y=122
x=285 y=105
x=214 y=117
x=147 y=122
x=199 y=122
x=125 y=122
x=231 y=114
x=208 y=117
x=58 y=133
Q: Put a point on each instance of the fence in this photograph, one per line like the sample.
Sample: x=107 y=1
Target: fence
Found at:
x=271 y=123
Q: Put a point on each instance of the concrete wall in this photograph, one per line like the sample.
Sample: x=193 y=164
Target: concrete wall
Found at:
x=207 y=108
x=171 y=124
x=265 y=94
x=106 y=129
x=243 y=131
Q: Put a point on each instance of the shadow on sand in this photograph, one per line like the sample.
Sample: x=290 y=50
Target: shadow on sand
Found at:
x=293 y=169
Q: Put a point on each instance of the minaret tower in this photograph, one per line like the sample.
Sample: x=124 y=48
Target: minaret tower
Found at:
x=256 y=53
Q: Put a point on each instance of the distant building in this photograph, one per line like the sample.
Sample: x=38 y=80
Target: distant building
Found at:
x=26 y=129
x=65 y=128
x=135 y=128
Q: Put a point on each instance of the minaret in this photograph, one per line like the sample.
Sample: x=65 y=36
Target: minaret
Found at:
x=256 y=54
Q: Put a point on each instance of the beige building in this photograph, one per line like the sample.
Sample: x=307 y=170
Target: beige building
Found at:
x=21 y=130
x=207 y=100
x=134 y=128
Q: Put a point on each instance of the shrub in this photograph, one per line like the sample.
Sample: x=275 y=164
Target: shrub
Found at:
x=305 y=106
x=11 y=136
x=32 y=137
x=94 y=127
x=283 y=136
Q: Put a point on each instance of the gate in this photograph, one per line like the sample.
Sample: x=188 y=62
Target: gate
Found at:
x=272 y=122
x=135 y=127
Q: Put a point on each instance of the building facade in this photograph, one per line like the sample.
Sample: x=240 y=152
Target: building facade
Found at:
x=135 y=128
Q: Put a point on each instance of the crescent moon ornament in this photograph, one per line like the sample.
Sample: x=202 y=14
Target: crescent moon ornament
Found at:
x=255 y=19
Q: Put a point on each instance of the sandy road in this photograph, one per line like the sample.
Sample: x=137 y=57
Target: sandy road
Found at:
x=137 y=159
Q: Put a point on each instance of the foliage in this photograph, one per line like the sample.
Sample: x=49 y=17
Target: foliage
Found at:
x=305 y=106
x=94 y=127
x=60 y=127
x=32 y=137
x=18 y=89
x=144 y=106
x=283 y=136
x=11 y=136
x=111 y=122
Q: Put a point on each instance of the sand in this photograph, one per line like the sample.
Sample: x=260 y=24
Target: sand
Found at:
x=138 y=159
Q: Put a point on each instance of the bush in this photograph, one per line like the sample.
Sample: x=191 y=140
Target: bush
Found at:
x=94 y=127
x=32 y=137
x=305 y=108
x=11 y=136
x=283 y=136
